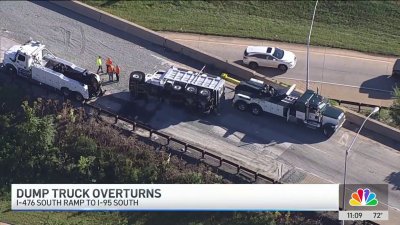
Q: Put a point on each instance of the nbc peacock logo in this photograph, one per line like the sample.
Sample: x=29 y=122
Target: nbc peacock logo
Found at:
x=363 y=197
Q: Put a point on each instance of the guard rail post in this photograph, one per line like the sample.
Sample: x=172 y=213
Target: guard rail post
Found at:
x=133 y=126
x=151 y=131
x=116 y=119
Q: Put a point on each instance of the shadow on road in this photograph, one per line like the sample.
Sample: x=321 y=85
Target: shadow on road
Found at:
x=394 y=179
x=379 y=87
x=228 y=124
x=269 y=72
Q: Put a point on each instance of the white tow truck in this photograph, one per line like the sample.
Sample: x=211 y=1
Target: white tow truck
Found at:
x=310 y=109
x=197 y=90
x=33 y=61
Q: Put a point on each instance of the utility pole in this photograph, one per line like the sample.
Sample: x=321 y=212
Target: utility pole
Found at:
x=308 y=46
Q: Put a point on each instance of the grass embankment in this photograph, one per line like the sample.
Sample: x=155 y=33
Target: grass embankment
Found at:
x=368 y=26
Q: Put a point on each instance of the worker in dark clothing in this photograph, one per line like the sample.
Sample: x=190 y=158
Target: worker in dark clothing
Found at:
x=110 y=72
x=117 y=72
x=99 y=64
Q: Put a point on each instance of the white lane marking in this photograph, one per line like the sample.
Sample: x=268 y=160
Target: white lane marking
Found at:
x=338 y=84
x=344 y=139
x=322 y=82
x=170 y=63
x=393 y=207
x=298 y=50
x=163 y=60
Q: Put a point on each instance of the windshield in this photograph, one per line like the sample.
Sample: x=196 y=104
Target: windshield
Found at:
x=278 y=53
x=322 y=107
x=323 y=103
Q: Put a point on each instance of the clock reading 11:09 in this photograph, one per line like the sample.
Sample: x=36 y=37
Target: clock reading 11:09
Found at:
x=363 y=215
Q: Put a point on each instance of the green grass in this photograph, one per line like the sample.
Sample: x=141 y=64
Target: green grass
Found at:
x=148 y=218
x=58 y=218
x=369 y=26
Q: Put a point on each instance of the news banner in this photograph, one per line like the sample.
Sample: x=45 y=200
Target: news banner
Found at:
x=362 y=202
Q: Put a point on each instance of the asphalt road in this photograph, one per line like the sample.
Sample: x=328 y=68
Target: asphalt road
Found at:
x=267 y=143
x=361 y=77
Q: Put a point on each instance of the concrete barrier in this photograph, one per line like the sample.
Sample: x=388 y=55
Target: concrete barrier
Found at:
x=373 y=125
x=229 y=67
x=243 y=72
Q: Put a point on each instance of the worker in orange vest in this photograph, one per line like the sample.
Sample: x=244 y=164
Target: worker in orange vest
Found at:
x=110 y=71
x=108 y=63
x=117 y=72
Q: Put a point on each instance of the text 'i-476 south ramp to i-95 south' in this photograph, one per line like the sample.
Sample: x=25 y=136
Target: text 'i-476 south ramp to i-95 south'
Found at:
x=292 y=153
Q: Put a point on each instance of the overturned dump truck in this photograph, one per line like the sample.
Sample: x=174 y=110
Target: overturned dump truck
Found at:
x=196 y=90
x=310 y=109
x=33 y=61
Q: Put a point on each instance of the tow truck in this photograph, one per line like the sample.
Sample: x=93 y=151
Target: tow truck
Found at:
x=196 y=90
x=310 y=108
x=33 y=61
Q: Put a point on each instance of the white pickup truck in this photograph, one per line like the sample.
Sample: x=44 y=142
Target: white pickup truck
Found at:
x=33 y=61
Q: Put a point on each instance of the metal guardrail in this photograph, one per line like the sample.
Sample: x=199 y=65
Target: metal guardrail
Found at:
x=185 y=145
x=358 y=104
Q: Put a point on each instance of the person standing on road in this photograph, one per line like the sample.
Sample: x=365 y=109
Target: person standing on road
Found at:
x=110 y=71
x=99 y=64
x=108 y=63
x=117 y=72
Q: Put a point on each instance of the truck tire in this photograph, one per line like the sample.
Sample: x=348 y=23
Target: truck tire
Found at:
x=255 y=109
x=78 y=97
x=241 y=105
x=65 y=91
x=137 y=76
x=328 y=130
x=253 y=65
x=10 y=70
x=282 y=67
